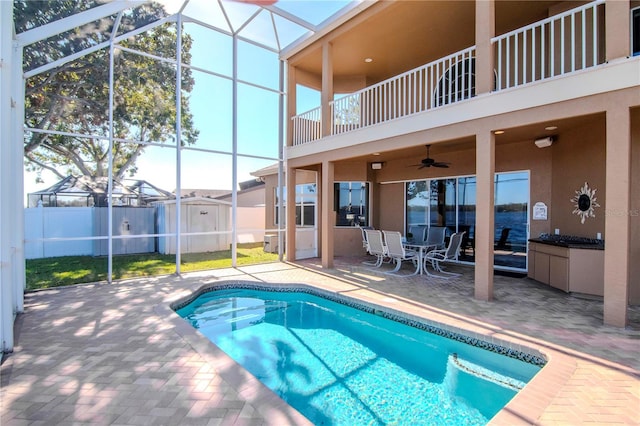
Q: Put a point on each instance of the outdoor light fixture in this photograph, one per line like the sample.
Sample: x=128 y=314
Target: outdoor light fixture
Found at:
x=376 y=166
x=544 y=142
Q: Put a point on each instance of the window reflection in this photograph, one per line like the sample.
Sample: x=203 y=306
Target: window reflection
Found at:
x=452 y=203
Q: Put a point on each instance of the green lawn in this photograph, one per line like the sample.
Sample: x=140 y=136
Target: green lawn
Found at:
x=59 y=271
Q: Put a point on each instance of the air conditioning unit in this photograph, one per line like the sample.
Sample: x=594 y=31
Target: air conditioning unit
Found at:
x=271 y=243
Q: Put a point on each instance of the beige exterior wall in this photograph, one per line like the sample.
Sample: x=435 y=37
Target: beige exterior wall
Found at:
x=596 y=112
x=579 y=157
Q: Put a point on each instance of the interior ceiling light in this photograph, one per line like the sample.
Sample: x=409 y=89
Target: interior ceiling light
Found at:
x=551 y=127
x=367 y=60
x=376 y=153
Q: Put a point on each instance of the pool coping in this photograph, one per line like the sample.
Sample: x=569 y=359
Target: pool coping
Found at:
x=524 y=408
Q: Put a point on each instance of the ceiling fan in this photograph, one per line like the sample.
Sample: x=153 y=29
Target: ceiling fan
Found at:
x=430 y=162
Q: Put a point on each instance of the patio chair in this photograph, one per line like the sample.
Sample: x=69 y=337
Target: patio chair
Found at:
x=435 y=237
x=398 y=253
x=365 y=242
x=502 y=243
x=376 y=246
x=418 y=233
x=449 y=254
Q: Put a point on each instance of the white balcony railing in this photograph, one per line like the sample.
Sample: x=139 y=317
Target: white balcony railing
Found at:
x=438 y=83
x=558 y=45
x=307 y=126
x=562 y=44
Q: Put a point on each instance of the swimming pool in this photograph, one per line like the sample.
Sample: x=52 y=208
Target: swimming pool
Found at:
x=338 y=361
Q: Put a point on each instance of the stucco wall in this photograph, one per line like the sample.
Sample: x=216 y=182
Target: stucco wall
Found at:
x=579 y=157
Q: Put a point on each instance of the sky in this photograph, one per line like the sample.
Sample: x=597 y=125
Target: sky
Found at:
x=210 y=103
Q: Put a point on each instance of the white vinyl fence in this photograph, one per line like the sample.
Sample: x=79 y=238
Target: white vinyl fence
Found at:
x=82 y=231
x=51 y=222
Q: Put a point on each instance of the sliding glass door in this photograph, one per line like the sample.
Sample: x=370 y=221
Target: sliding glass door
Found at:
x=511 y=219
x=451 y=203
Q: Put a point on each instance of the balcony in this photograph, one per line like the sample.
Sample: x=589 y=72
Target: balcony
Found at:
x=557 y=46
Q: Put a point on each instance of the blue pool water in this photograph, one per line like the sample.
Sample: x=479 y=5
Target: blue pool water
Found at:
x=340 y=365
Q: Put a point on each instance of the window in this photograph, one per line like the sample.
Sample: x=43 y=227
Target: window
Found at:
x=635 y=31
x=352 y=203
x=306 y=197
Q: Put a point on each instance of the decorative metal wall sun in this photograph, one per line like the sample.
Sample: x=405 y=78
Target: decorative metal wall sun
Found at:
x=584 y=202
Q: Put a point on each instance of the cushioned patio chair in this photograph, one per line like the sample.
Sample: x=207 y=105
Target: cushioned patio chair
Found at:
x=398 y=253
x=449 y=254
x=376 y=246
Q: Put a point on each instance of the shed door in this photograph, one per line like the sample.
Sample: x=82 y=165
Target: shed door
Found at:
x=203 y=218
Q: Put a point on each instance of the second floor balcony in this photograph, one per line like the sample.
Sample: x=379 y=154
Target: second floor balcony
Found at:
x=563 y=44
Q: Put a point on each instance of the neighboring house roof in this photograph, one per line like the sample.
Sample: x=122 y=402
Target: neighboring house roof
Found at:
x=85 y=186
x=252 y=196
x=266 y=171
x=203 y=193
x=197 y=200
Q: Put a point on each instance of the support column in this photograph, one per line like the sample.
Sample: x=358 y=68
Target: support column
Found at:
x=485 y=220
x=290 y=245
x=618 y=29
x=617 y=216
x=327 y=87
x=328 y=214
x=485 y=30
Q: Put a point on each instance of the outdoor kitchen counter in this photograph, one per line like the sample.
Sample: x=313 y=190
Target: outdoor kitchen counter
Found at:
x=571 y=266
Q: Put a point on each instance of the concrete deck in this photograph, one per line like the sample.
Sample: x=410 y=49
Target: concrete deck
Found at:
x=116 y=354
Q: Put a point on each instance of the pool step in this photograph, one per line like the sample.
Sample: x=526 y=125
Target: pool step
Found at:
x=486 y=374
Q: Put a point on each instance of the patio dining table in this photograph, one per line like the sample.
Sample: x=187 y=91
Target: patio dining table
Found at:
x=422 y=250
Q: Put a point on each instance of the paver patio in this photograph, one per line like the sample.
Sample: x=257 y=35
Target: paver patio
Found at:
x=117 y=354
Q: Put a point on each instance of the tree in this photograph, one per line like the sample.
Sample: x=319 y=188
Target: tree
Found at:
x=74 y=98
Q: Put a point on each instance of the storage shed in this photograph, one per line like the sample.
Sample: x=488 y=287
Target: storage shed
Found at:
x=198 y=216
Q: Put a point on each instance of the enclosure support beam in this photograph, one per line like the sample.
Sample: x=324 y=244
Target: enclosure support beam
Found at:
x=178 y=142
x=7 y=140
x=234 y=156
x=281 y=144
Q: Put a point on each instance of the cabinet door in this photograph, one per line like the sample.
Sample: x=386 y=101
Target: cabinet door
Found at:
x=541 y=265
x=559 y=272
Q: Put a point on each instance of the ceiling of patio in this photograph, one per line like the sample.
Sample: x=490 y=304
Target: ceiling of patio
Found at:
x=406 y=34
x=526 y=133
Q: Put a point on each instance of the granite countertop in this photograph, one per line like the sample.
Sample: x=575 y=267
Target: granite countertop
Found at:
x=570 y=242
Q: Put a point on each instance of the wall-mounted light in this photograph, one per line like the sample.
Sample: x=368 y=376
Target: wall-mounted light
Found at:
x=544 y=142
x=376 y=166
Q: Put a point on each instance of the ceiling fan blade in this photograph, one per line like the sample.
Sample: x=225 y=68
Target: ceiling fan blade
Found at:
x=442 y=165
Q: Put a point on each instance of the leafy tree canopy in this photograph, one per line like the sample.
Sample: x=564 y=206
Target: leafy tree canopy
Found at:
x=74 y=97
